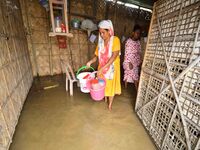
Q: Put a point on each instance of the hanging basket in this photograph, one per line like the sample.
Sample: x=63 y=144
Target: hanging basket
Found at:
x=62 y=41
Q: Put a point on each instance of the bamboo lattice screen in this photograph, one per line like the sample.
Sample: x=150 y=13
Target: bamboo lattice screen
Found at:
x=168 y=100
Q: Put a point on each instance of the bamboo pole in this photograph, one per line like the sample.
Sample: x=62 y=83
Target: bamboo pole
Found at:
x=66 y=16
x=49 y=47
x=145 y=55
x=51 y=14
x=70 y=53
x=198 y=145
x=79 y=47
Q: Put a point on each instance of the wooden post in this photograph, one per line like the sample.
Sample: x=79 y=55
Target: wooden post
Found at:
x=52 y=16
x=65 y=16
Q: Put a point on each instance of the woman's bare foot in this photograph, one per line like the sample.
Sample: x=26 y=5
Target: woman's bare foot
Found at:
x=106 y=99
x=110 y=98
x=110 y=107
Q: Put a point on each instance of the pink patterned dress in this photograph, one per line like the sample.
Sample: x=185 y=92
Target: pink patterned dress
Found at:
x=132 y=55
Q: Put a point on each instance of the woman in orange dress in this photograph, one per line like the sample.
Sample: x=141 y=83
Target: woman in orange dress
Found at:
x=108 y=55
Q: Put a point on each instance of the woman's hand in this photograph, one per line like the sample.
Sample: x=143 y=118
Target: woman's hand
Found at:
x=130 y=66
x=88 y=64
x=99 y=72
x=94 y=59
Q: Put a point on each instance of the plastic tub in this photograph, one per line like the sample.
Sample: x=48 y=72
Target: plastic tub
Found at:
x=85 y=83
x=98 y=94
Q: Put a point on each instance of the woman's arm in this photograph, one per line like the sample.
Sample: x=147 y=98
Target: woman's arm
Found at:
x=110 y=61
x=94 y=59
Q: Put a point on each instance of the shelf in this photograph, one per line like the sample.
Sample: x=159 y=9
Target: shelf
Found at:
x=61 y=34
x=61 y=5
x=58 y=2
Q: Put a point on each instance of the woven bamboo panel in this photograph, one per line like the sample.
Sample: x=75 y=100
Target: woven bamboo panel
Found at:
x=10 y=116
x=57 y=68
x=101 y=9
x=43 y=65
x=55 y=49
x=42 y=50
x=4 y=55
x=39 y=37
x=77 y=6
x=4 y=136
x=39 y=24
x=34 y=7
x=63 y=51
x=83 y=38
x=3 y=91
x=9 y=74
x=15 y=70
x=168 y=100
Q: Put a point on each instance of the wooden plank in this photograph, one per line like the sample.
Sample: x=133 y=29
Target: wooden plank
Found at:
x=57 y=7
x=61 y=34
x=57 y=2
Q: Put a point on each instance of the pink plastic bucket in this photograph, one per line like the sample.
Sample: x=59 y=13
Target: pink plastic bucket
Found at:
x=98 y=95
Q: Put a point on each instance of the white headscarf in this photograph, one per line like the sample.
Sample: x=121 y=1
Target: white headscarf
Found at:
x=106 y=24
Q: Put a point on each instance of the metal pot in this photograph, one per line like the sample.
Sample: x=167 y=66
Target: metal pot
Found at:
x=76 y=24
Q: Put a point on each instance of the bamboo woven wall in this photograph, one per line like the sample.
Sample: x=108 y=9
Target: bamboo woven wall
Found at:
x=168 y=100
x=15 y=69
x=46 y=56
x=44 y=52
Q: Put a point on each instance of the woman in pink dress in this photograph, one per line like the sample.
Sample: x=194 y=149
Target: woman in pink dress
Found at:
x=132 y=58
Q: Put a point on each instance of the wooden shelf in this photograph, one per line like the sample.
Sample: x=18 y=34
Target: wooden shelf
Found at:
x=58 y=2
x=61 y=34
x=60 y=5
